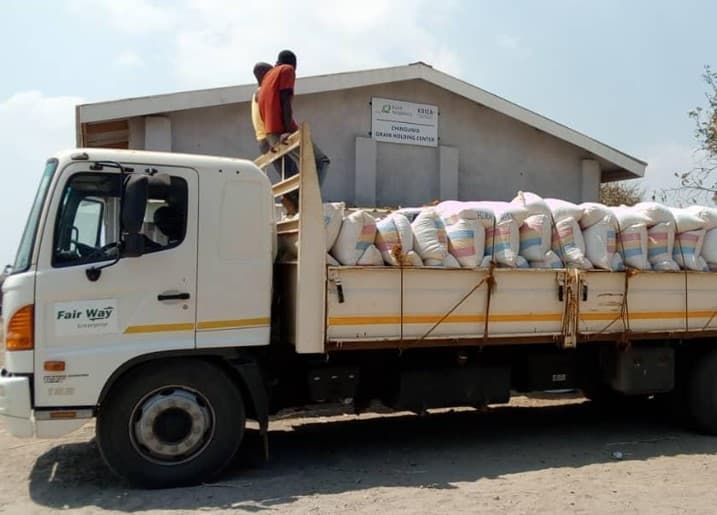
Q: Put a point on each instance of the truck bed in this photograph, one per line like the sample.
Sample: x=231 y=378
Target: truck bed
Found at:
x=324 y=308
x=385 y=307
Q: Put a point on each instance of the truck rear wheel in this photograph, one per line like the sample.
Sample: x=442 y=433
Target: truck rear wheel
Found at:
x=171 y=423
x=703 y=393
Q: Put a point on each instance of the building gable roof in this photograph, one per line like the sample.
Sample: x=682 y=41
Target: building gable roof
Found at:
x=156 y=104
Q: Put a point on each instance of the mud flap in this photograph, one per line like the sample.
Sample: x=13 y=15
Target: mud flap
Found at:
x=254 y=383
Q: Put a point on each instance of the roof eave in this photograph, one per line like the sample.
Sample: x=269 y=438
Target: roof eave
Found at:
x=157 y=104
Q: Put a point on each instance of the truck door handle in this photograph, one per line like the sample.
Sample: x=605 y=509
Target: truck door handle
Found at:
x=173 y=296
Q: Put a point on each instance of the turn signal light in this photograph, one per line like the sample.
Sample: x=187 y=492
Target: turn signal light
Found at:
x=20 y=330
x=54 y=366
x=63 y=414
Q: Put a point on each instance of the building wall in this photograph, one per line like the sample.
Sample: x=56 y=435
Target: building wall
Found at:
x=497 y=155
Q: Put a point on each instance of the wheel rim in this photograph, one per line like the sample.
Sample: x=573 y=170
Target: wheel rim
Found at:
x=171 y=425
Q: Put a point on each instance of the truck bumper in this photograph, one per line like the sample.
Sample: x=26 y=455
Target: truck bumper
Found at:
x=21 y=420
x=15 y=406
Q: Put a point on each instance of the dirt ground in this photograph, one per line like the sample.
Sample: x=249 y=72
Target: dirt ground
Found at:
x=530 y=457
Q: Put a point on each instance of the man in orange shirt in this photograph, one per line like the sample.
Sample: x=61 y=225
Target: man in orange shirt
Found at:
x=275 y=97
x=260 y=70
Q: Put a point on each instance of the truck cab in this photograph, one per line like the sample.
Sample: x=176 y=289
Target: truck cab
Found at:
x=131 y=257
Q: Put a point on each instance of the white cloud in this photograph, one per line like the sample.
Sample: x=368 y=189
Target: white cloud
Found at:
x=129 y=59
x=32 y=127
x=216 y=42
x=327 y=36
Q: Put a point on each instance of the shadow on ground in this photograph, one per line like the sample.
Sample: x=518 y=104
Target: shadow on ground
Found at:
x=345 y=454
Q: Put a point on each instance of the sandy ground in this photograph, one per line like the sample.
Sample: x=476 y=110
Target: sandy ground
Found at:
x=529 y=457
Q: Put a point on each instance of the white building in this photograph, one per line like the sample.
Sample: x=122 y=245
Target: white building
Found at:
x=453 y=140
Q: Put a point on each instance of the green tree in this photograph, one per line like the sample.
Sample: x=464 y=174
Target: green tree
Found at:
x=700 y=183
x=619 y=193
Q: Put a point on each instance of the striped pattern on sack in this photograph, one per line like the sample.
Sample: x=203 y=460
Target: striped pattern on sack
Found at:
x=657 y=243
x=631 y=244
x=611 y=241
x=461 y=242
x=497 y=239
x=686 y=244
x=530 y=235
x=452 y=218
x=563 y=240
x=365 y=239
x=441 y=230
x=387 y=236
x=535 y=237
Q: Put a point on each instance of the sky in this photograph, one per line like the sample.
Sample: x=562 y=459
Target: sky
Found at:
x=624 y=73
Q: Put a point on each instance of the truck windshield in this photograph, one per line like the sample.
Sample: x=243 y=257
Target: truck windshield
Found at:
x=24 y=251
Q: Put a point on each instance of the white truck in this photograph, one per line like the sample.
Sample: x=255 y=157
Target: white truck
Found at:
x=147 y=293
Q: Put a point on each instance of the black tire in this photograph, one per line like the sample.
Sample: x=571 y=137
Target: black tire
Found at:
x=702 y=394
x=124 y=417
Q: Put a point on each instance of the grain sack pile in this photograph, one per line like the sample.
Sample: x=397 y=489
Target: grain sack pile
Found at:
x=527 y=232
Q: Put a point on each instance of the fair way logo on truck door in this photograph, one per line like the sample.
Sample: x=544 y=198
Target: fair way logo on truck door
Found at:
x=86 y=317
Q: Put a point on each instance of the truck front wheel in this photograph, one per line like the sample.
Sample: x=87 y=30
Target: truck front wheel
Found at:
x=171 y=423
x=703 y=393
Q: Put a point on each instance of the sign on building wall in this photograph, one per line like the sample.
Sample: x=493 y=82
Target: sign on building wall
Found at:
x=404 y=122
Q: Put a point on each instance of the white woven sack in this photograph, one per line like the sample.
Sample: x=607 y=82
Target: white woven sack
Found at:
x=562 y=209
x=405 y=231
x=594 y=213
x=686 y=221
x=502 y=243
x=535 y=237
x=536 y=205
x=413 y=259
x=627 y=217
x=707 y=214
x=429 y=236
x=660 y=244
x=453 y=210
x=392 y=233
x=331 y=260
x=370 y=257
x=333 y=217
x=688 y=246
x=617 y=264
x=409 y=212
x=466 y=242
x=601 y=244
x=632 y=246
x=569 y=245
x=655 y=212
x=709 y=247
x=551 y=260
x=500 y=211
x=447 y=262
x=357 y=233
x=451 y=262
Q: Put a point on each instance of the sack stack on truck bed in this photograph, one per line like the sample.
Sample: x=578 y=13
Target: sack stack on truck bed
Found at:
x=527 y=232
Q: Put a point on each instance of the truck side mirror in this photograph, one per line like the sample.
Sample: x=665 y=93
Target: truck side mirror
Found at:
x=134 y=204
x=133 y=245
